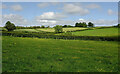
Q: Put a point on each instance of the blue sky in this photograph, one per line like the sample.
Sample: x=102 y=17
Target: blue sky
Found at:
x=59 y=13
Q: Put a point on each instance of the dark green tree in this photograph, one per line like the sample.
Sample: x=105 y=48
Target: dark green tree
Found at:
x=65 y=26
x=90 y=24
x=118 y=25
x=42 y=26
x=83 y=24
x=76 y=24
x=58 y=29
x=10 y=26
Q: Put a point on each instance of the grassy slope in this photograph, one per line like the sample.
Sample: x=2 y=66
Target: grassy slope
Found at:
x=64 y=29
x=28 y=30
x=98 y=32
x=49 y=55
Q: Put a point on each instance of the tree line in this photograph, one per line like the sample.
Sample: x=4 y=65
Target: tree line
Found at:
x=58 y=28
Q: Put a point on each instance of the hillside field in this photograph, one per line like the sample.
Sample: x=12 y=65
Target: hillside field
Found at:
x=98 y=32
x=49 y=29
x=57 y=55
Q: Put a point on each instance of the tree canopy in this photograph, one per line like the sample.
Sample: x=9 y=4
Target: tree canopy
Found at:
x=10 y=26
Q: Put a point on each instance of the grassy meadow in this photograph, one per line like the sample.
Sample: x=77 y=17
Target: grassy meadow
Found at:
x=98 y=32
x=64 y=29
x=57 y=55
x=32 y=54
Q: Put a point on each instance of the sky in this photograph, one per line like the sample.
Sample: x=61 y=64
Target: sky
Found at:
x=59 y=13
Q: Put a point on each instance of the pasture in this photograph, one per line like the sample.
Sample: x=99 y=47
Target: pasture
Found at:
x=98 y=32
x=26 y=30
x=57 y=55
x=64 y=29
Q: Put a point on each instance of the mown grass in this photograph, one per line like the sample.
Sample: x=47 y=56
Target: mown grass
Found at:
x=98 y=32
x=50 y=55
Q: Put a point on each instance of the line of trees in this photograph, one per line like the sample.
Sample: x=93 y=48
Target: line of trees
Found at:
x=58 y=28
x=67 y=26
x=31 y=27
x=83 y=24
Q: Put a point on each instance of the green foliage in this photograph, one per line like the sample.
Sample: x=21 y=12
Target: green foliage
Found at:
x=118 y=25
x=50 y=55
x=48 y=27
x=67 y=26
x=66 y=36
x=42 y=26
x=90 y=24
x=10 y=26
x=83 y=24
x=58 y=29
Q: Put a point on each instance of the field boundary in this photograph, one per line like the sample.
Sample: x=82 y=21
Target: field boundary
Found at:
x=51 y=35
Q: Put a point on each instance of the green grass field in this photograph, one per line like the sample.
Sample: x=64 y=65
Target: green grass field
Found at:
x=50 y=55
x=98 y=32
x=27 y=30
x=64 y=29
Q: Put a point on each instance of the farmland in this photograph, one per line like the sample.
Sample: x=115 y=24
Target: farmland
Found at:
x=57 y=55
x=48 y=29
x=98 y=32
x=64 y=29
x=108 y=32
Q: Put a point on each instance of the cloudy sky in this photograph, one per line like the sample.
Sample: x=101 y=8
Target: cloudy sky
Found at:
x=59 y=13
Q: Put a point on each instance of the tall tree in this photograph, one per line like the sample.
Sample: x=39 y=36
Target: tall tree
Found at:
x=10 y=26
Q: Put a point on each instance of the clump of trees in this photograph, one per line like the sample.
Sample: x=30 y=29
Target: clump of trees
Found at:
x=10 y=26
x=58 y=29
x=83 y=24
x=67 y=26
x=90 y=24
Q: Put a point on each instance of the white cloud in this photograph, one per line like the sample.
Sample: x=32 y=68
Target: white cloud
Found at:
x=75 y=9
x=93 y=6
x=49 y=18
x=14 y=18
x=16 y=7
x=51 y=15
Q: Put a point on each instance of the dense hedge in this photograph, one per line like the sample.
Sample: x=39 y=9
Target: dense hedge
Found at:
x=51 y=35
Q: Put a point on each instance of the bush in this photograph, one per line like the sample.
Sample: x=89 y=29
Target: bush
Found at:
x=10 y=26
x=58 y=29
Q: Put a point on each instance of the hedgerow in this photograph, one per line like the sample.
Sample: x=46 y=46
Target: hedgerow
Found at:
x=51 y=35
